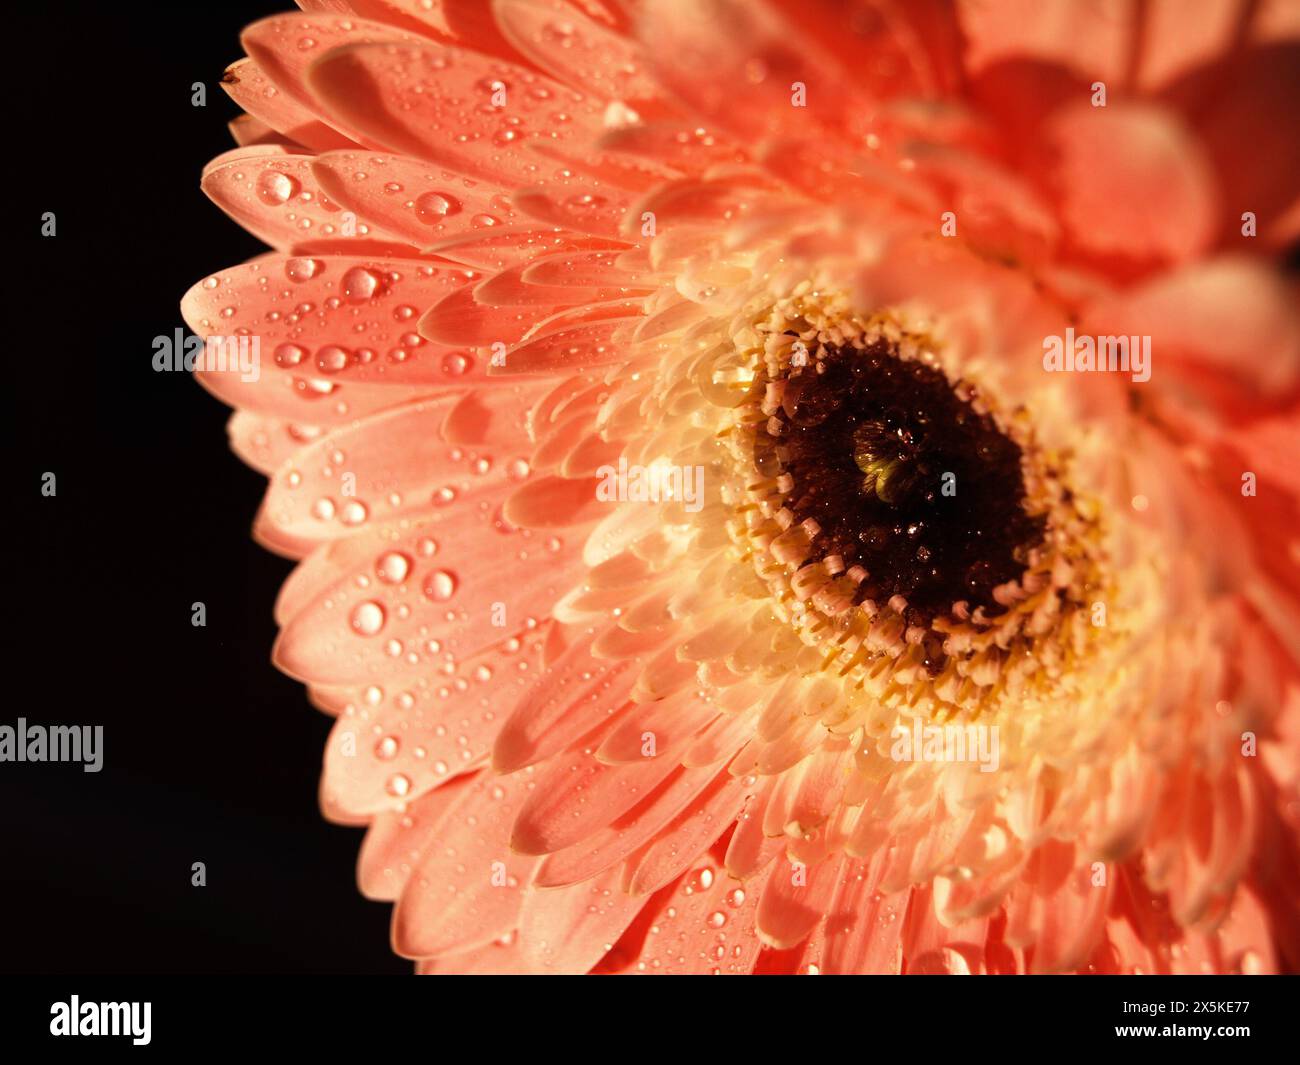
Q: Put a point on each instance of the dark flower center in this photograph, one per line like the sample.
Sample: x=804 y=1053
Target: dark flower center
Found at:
x=904 y=477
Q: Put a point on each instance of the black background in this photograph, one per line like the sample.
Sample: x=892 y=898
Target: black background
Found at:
x=210 y=754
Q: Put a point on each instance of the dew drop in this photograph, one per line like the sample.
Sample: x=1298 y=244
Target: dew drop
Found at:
x=331 y=359
x=275 y=187
x=455 y=363
x=392 y=567
x=432 y=207
x=354 y=513
x=287 y=355
x=360 y=284
x=367 y=618
x=439 y=586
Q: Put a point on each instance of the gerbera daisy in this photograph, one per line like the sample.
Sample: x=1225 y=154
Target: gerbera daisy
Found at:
x=784 y=487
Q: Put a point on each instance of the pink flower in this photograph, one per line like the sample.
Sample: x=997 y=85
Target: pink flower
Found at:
x=784 y=486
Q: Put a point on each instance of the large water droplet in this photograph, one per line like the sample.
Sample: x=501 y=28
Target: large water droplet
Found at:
x=360 y=284
x=275 y=187
x=287 y=355
x=354 y=512
x=367 y=618
x=331 y=359
x=302 y=269
x=440 y=586
x=392 y=567
x=432 y=207
x=454 y=364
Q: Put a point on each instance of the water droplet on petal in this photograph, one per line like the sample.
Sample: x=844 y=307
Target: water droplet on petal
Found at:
x=360 y=284
x=367 y=618
x=276 y=187
x=439 y=585
x=331 y=359
x=287 y=355
x=392 y=567
x=455 y=363
x=432 y=207
x=302 y=269
x=354 y=513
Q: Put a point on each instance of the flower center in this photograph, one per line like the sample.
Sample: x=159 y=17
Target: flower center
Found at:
x=916 y=539
x=902 y=476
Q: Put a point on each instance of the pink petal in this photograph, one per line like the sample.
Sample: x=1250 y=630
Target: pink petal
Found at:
x=416 y=738
x=668 y=723
x=410 y=199
x=396 y=839
x=567 y=930
x=303 y=402
x=737 y=64
x=619 y=841
x=795 y=899
x=436 y=103
x=703 y=925
x=273 y=195
x=578 y=796
x=372 y=631
x=394 y=464
x=554 y=502
x=1112 y=163
x=571 y=698
x=263 y=442
x=577 y=50
x=247 y=84
x=677 y=846
x=305 y=312
x=285 y=46
x=864 y=929
x=468 y=887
